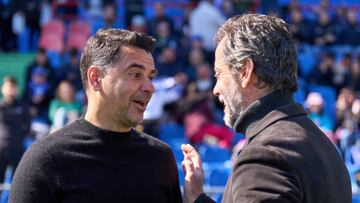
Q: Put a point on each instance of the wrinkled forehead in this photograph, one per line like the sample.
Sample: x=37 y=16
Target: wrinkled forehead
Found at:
x=220 y=61
x=138 y=54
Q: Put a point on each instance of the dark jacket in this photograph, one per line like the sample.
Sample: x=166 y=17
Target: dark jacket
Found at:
x=286 y=158
x=14 y=125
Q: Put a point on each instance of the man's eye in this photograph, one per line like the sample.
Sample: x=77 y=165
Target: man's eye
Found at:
x=135 y=75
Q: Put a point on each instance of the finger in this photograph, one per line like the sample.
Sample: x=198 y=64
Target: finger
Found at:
x=183 y=167
x=184 y=149
x=189 y=167
x=195 y=157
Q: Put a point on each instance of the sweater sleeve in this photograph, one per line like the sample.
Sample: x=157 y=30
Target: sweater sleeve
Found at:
x=262 y=174
x=175 y=195
x=34 y=180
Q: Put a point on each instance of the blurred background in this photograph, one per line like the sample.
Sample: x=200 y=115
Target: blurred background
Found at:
x=41 y=42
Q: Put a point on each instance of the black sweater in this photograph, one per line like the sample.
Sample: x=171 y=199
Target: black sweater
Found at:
x=83 y=163
x=14 y=125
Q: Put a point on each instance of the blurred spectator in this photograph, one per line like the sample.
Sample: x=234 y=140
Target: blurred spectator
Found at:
x=168 y=62
x=195 y=58
x=185 y=27
x=39 y=92
x=32 y=14
x=8 y=41
x=167 y=91
x=342 y=71
x=41 y=60
x=287 y=8
x=344 y=122
x=349 y=135
x=227 y=8
x=94 y=7
x=340 y=17
x=350 y=29
x=109 y=19
x=355 y=76
x=71 y=70
x=133 y=8
x=66 y=10
x=343 y=106
x=204 y=22
x=200 y=127
x=243 y=6
x=300 y=27
x=355 y=155
x=46 y=12
x=19 y=24
x=14 y=126
x=160 y=17
x=164 y=37
x=139 y=24
x=323 y=73
x=204 y=78
x=322 y=6
x=315 y=104
x=325 y=30
x=64 y=109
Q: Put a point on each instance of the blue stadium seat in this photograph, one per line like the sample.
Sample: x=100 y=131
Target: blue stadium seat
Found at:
x=307 y=62
x=179 y=157
x=300 y=94
x=356 y=198
x=218 y=176
x=8 y=177
x=169 y=131
x=181 y=175
x=55 y=59
x=214 y=154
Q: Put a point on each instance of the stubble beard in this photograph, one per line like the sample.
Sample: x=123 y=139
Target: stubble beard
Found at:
x=233 y=106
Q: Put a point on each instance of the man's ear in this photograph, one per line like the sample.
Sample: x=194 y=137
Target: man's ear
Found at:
x=247 y=73
x=94 y=77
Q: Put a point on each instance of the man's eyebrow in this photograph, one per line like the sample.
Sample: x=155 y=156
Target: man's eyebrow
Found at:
x=136 y=65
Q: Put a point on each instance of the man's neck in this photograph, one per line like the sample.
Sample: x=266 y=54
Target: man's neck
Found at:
x=255 y=94
x=99 y=119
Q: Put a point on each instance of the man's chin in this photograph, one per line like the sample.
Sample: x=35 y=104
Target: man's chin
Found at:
x=227 y=120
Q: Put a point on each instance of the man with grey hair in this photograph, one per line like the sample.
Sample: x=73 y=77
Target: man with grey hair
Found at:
x=286 y=157
x=101 y=157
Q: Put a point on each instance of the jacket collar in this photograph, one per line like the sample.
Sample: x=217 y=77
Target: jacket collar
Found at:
x=265 y=111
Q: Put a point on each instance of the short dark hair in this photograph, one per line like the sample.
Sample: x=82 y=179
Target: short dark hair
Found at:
x=10 y=79
x=267 y=41
x=103 y=49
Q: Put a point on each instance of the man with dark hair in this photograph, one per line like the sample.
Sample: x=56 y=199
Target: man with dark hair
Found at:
x=100 y=157
x=14 y=126
x=286 y=157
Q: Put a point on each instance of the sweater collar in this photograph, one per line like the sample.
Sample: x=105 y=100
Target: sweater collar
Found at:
x=105 y=134
x=253 y=114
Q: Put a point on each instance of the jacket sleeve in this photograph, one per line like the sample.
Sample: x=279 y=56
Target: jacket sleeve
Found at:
x=203 y=198
x=34 y=180
x=262 y=174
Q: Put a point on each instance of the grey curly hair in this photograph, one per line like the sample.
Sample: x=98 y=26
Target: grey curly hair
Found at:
x=267 y=42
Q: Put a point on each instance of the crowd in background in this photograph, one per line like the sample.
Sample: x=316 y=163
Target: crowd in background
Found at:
x=327 y=36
